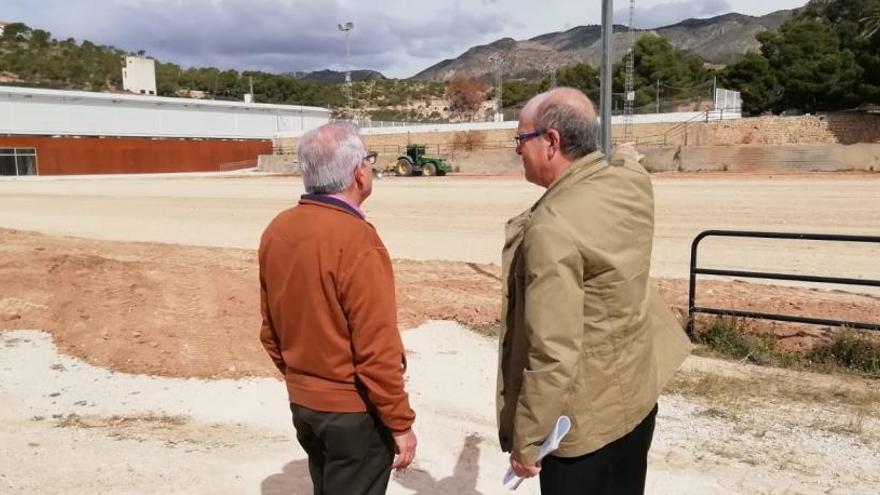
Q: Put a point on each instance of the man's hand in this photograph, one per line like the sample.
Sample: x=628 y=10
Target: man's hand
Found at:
x=523 y=471
x=405 y=447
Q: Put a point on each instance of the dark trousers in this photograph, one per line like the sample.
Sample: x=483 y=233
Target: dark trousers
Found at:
x=349 y=453
x=618 y=468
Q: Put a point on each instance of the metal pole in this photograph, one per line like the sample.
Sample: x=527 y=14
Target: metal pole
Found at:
x=715 y=93
x=605 y=85
x=348 y=67
x=346 y=28
x=658 y=96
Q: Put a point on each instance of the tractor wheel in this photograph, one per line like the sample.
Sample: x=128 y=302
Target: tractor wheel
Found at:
x=429 y=169
x=404 y=167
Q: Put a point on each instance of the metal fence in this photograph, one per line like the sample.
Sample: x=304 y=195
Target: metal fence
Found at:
x=430 y=149
x=695 y=270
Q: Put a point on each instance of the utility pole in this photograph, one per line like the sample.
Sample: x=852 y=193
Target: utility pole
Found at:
x=550 y=68
x=346 y=28
x=605 y=84
x=715 y=93
x=498 y=61
x=658 y=96
x=629 y=89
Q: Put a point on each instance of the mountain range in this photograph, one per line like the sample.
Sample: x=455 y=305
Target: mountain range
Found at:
x=719 y=40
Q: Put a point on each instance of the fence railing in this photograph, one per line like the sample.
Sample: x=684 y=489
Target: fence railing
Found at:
x=430 y=149
x=695 y=270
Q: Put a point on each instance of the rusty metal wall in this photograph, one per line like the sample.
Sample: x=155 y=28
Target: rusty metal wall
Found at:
x=110 y=155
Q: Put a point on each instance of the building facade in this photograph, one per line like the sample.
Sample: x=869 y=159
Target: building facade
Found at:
x=49 y=132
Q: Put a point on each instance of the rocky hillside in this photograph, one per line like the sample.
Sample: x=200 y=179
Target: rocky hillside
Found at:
x=717 y=40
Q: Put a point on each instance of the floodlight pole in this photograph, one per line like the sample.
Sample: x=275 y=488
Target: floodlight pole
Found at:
x=605 y=82
x=346 y=28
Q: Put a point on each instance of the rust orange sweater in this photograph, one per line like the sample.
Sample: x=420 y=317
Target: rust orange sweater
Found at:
x=329 y=312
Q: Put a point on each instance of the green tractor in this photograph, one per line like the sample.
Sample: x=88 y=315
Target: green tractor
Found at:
x=414 y=162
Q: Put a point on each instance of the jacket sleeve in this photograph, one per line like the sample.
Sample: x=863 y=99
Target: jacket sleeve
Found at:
x=369 y=302
x=554 y=327
x=268 y=336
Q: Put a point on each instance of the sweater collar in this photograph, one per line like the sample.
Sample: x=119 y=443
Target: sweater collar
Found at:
x=332 y=201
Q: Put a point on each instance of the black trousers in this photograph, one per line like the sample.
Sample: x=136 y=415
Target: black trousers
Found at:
x=349 y=453
x=618 y=468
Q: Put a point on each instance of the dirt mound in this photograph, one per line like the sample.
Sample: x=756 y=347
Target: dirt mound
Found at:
x=183 y=311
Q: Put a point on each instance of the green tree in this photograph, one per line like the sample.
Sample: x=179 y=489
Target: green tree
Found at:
x=856 y=24
x=16 y=31
x=516 y=92
x=813 y=71
x=584 y=77
x=756 y=80
x=682 y=76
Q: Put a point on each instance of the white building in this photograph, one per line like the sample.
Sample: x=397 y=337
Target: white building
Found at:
x=139 y=75
x=81 y=113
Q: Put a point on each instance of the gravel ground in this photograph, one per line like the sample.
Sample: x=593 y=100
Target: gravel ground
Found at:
x=68 y=427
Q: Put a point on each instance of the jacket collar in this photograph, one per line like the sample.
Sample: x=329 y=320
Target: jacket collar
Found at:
x=578 y=168
x=324 y=200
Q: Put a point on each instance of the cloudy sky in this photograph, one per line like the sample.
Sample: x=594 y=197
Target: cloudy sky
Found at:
x=396 y=37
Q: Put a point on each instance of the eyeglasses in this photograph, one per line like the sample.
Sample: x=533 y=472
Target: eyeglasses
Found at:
x=521 y=138
x=371 y=157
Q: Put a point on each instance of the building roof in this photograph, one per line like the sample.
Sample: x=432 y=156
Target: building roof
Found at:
x=140 y=100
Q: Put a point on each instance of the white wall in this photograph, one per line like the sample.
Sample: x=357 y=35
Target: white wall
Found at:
x=52 y=112
x=375 y=128
x=139 y=75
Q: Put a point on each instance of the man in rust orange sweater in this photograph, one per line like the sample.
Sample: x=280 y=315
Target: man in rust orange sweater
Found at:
x=330 y=321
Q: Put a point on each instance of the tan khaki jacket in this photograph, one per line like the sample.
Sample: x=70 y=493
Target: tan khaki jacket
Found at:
x=584 y=332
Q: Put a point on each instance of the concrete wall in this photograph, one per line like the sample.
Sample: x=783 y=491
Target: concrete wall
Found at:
x=51 y=112
x=764 y=158
x=842 y=128
x=386 y=128
x=493 y=138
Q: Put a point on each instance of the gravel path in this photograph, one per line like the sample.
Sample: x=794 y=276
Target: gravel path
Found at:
x=68 y=427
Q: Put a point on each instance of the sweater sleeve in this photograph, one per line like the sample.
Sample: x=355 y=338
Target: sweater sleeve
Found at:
x=369 y=303
x=268 y=335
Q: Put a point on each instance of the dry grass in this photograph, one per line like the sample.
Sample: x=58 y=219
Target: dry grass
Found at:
x=144 y=421
x=171 y=430
x=848 y=351
x=842 y=406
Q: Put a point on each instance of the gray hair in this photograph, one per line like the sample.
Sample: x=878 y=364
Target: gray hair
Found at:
x=578 y=131
x=328 y=156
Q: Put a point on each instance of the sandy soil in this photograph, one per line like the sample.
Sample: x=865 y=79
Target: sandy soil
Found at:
x=461 y=219
x=150 y=362
x=171 y=310
x=71 y=428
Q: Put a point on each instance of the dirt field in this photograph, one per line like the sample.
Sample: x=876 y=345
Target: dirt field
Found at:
x=184 y=305
x=461 y=219
x=183 y=311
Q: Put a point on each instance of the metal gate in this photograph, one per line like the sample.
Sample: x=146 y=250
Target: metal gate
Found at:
x=695 y=270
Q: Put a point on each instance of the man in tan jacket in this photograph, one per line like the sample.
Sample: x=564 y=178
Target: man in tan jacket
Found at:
x=330 y=321
x=584 y=334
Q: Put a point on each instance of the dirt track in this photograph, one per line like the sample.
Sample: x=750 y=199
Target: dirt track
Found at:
x=462 y=219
